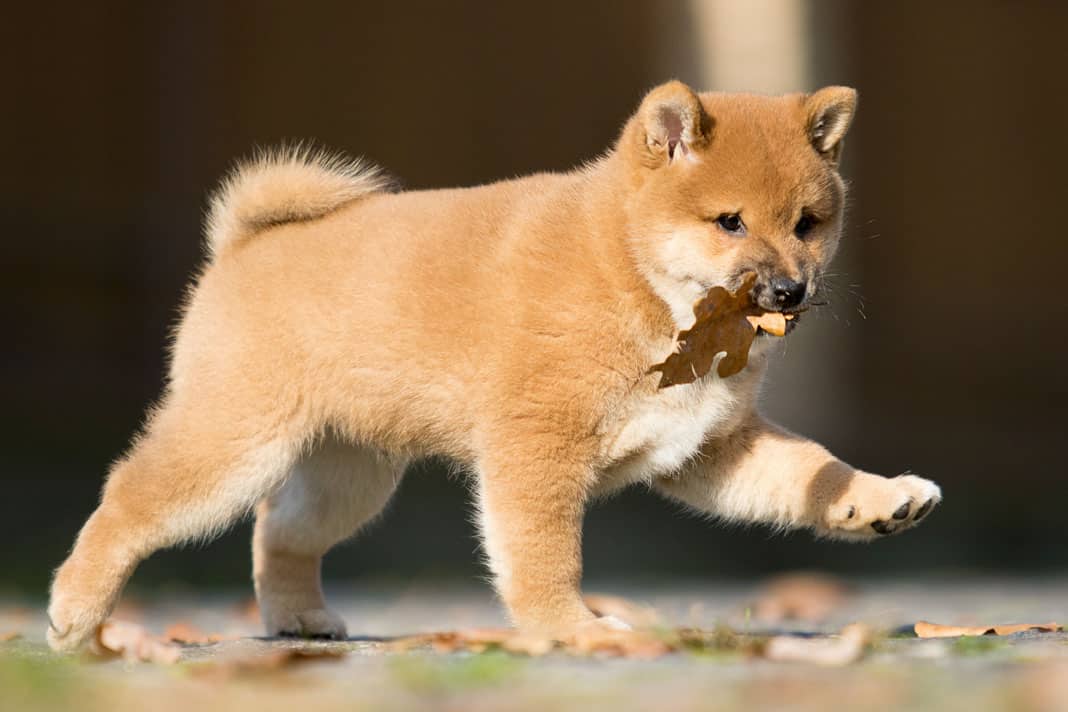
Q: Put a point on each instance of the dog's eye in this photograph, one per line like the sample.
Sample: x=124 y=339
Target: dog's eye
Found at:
x=732 y=223
x=804 y=226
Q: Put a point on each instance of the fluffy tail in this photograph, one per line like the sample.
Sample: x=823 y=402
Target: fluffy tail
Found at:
x=289 y=184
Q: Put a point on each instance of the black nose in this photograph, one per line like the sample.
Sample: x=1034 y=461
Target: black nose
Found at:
x=788 y=293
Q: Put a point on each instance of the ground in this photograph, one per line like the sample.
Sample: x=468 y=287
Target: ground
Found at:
x=1023 y=671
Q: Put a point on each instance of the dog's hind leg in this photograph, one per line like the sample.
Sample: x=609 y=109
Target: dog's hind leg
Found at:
x=193 y=473
x=330 y=493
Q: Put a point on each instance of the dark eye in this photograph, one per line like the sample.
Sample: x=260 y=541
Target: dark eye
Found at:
x=805 y=225
x=732 y=223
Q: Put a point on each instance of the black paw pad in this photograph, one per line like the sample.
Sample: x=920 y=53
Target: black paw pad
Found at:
x=922 y=511
x=902 y=511
x=881 y=527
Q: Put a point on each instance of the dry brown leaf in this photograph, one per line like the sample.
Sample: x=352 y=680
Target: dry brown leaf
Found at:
x=190 y=635
x=9 y=635
x=589 y=640
x=133 y=642
x=474 y=639
x=849 y=646
x=477 y=640
x=935 y=630
x=631 y=613
x=593 y=639
x=722 y=326
x=800 y=596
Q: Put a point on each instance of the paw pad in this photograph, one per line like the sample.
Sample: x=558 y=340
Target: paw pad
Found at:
x=878 y=506
x=923 y=510
x=881 y=527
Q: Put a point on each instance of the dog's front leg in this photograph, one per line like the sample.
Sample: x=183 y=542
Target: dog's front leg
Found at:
x=762 y=473
x=531 y=505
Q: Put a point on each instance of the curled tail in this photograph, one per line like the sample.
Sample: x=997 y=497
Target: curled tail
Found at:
x=289 y=184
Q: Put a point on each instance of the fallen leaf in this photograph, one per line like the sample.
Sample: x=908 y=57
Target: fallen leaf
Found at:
x=723 y=326
x=631 y=613
x=800 y=596
x=849 y=646
x=474 y=639
x=514 y=641
x=935 y=630
x=9 y=635
x=588 y=640
x=596 y=639
x=134 y=643
x=477 y=640
x=190 y=635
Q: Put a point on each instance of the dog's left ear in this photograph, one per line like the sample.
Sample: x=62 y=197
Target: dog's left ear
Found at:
x=672 y=123
x=830 y=112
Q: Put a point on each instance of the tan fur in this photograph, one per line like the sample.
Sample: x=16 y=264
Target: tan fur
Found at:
x=341 y=330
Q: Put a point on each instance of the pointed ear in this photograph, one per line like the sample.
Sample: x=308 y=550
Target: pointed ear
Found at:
x=830 y=111
x=672 y=124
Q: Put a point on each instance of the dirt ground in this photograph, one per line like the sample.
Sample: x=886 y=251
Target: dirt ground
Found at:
x=1024 y=671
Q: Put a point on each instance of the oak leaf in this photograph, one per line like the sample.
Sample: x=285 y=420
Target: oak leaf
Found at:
x=189 y=634
x=935 y=630
x=726 y=323
x=477 y=640
x=134 y=643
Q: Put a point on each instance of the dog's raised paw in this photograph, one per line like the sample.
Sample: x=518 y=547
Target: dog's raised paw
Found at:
x=874 y=506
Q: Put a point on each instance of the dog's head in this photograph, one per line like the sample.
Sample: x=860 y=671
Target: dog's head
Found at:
x=722 y=185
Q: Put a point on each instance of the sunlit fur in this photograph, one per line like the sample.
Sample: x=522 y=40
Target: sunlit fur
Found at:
x=339 y=330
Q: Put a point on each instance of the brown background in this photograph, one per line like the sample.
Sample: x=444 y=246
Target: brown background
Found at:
x=119 y=119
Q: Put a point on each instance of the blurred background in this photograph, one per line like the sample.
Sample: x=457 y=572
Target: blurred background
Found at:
x=941 y=352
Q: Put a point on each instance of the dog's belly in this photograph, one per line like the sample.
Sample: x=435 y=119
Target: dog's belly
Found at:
x=664 y=430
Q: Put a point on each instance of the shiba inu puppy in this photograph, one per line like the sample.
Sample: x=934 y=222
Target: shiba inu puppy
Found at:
x=340 y=329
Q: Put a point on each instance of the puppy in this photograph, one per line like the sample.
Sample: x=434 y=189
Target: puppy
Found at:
x=340 y=329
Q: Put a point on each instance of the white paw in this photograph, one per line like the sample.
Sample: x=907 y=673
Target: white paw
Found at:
x=874 y=506
x=313 y=623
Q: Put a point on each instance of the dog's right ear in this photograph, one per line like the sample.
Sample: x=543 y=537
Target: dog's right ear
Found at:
x=671 y=125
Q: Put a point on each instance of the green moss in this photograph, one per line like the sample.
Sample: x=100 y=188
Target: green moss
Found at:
x=975 y=645
x=31 y=681
x=426 y=673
